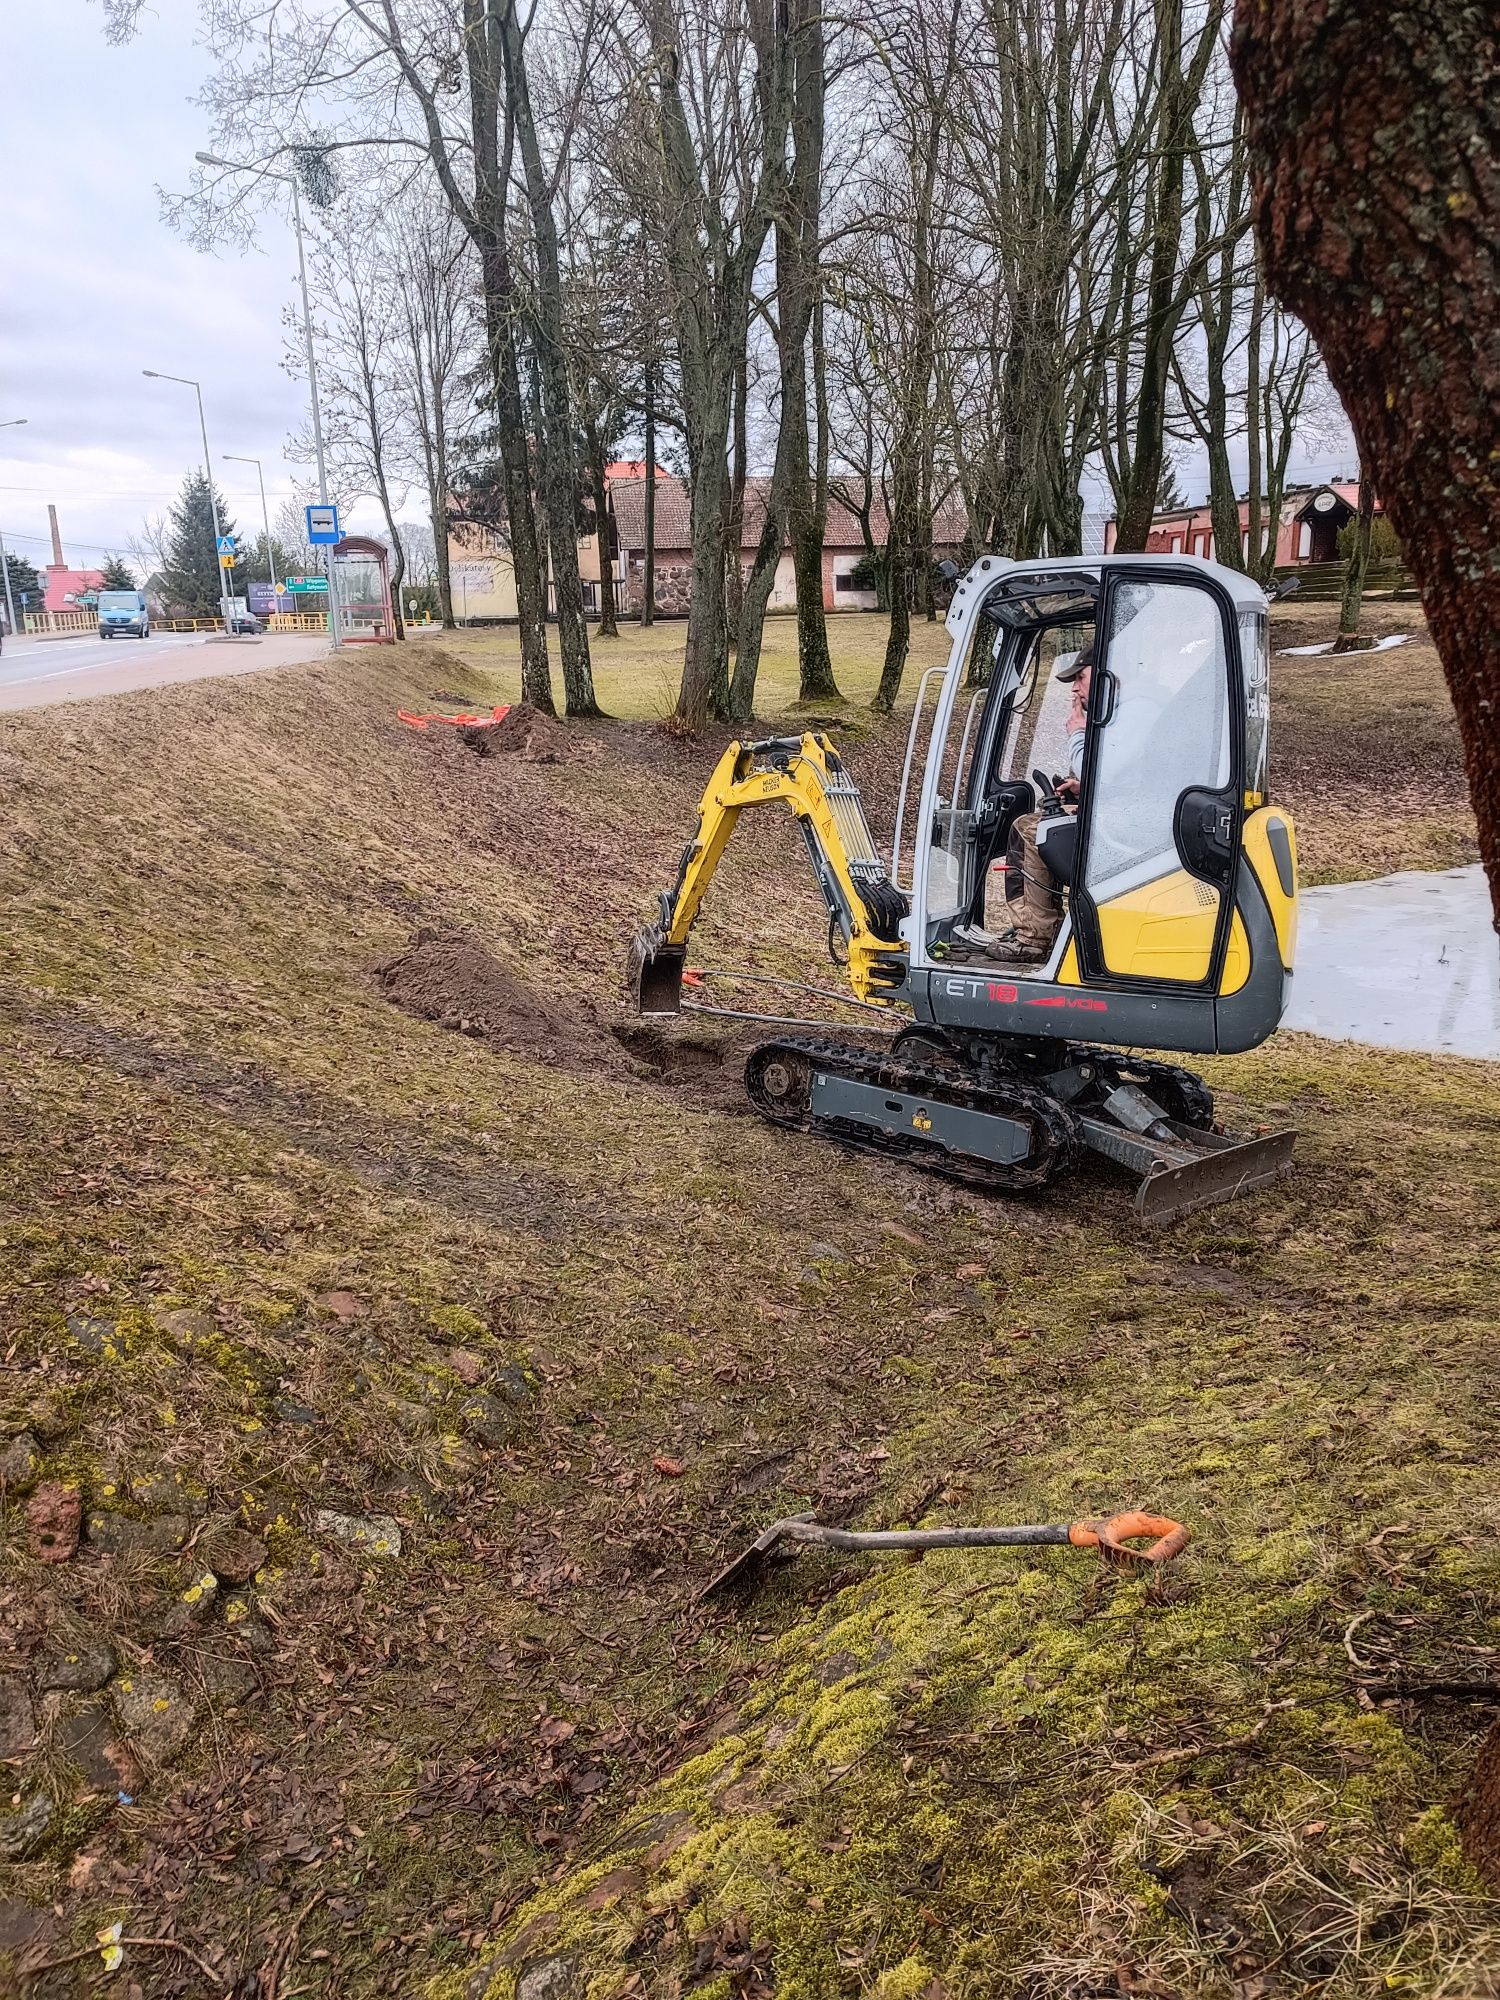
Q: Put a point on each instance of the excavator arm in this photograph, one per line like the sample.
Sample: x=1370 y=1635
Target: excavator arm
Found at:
x=864 y=907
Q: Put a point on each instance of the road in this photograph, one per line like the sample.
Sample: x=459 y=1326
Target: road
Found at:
x=36 y=671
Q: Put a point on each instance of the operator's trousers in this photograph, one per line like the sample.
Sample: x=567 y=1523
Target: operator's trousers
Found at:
x=1035 y=900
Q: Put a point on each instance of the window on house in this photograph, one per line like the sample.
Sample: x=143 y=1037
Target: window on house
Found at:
x=844 y=581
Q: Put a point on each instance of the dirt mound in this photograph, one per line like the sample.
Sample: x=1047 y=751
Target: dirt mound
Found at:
x=522 y=731
x=447 y=976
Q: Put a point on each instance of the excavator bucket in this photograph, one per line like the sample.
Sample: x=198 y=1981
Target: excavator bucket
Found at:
x=653 y=971
x=1193 y=1168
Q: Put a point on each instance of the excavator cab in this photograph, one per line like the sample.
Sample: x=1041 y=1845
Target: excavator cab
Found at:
x=1176 y=876
x=1174 y=879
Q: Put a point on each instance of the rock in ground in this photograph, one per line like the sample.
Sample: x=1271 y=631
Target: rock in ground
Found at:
x=20 y=1462
x=87 y=1739
x=54 y=1517
x=17 y=1720
x=23 y=1831
x=156 y=1715
x=118 y=1534
x=550 y=1979
x=82 y=1662
x=366 y=1534
x=233 y=1554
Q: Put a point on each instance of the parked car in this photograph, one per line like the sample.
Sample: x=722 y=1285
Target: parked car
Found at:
x=246 y=622
x=123 y=614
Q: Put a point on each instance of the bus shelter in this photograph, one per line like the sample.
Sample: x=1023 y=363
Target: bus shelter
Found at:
x=359 y=573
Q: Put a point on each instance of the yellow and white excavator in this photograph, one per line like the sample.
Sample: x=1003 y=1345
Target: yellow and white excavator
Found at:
x=1175 y=879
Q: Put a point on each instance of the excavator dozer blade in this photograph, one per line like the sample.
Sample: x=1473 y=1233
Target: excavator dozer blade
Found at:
x=1195 y=1170
x=653 y=971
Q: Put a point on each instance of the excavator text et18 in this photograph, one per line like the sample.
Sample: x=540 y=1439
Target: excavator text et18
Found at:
x=1177 y=876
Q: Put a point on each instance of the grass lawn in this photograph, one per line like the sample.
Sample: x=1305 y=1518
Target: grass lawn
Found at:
x=279 y=1255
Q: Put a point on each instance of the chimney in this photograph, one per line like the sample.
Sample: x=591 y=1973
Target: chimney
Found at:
x=57 y=554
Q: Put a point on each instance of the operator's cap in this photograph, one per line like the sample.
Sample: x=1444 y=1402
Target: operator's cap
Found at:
x=1069 y=669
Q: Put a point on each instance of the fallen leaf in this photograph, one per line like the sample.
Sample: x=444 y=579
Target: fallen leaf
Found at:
x=466 y=1366
x=344 y=1305
x=669 y=1468
x=553 y=1730
x=971 y=1270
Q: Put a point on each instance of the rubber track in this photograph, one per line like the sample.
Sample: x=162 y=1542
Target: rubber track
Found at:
x=1194 y=1100
x=1056 y=1144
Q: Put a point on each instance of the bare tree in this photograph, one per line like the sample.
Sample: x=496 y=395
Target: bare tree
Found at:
x=430 y=270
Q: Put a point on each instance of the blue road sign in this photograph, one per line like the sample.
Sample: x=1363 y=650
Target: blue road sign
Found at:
x=322 y=526
x=226 y=545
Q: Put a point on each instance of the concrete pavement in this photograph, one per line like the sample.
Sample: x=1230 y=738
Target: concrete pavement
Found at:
x=34 y=672
x=1408 y=962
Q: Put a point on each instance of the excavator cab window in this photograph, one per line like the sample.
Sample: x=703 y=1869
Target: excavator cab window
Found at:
x=1009 y=715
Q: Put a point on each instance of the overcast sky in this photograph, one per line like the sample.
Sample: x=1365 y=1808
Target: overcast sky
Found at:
x=96 y=287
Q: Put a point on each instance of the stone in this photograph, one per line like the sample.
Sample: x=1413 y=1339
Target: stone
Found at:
x=233 y=1554
x=155 y=1714
x=94 y=1336
x=20 y=1462
x=406 y=1494
x=289 y=1411
x=467 y=1366
x=54 y=1515
x=118 y=1535
x=22 y=1926
x=491 y=1422
x=194 y=1607
x=49 y=1416
x=186 y=1324
x=23 y=1831
x=83 y=1662
x=550 y=1978
x=366 y=1534
x=243 y=1619
x=167 y=1492
x=88 y=1740
x=513 y=1383
x=17 y=1720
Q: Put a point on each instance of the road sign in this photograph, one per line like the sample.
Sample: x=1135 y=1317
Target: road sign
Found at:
x=322 y=526
x=228 y=562
x=298 y=584
x=226 y=545
x=281 y=590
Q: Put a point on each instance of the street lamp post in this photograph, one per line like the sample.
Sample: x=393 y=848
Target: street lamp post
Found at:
x=265 y=513
x=269 y=174
x=10 y=424
x=208 y=470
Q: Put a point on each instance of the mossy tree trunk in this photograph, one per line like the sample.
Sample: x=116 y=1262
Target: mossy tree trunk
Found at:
x=1374 y=128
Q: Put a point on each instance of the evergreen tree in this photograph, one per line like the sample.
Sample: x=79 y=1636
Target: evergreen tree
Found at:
x=117 y=575
x=26 y=587
x=190 y=575
x=1167 y=495
x=254 y=566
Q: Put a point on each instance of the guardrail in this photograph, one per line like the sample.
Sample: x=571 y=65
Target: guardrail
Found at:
x=297 y=621
x=61 y=621
x=189 y=624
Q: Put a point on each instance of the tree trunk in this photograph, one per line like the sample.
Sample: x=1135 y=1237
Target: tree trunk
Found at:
x=648 y=509
x=799 y=281
x=608 y=628
x=705 y=667
x=1165 y=299
x=734 y=503
x=1477 y=1813
x=1374 y=128
x=558 y=469
x=757 y=591
x=497 y=282
x=1354 y=570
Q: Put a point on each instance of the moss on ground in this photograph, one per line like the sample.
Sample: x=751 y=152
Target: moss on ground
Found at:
x=271 y=1245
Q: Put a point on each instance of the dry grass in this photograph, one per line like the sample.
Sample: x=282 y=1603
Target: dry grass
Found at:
x=291 y=1206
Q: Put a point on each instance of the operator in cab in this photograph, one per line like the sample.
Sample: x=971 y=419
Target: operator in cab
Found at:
x=1034 y=896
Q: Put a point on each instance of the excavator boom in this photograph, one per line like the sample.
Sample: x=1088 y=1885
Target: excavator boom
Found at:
x=864 y=908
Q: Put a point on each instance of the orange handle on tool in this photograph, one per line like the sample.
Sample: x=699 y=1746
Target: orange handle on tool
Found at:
x=1111 y=1534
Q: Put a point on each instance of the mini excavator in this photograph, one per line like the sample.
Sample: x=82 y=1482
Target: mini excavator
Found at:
x=1175 y=880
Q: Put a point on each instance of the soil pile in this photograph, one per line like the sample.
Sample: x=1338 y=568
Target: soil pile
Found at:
x=447 y=976
x=522 y=731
